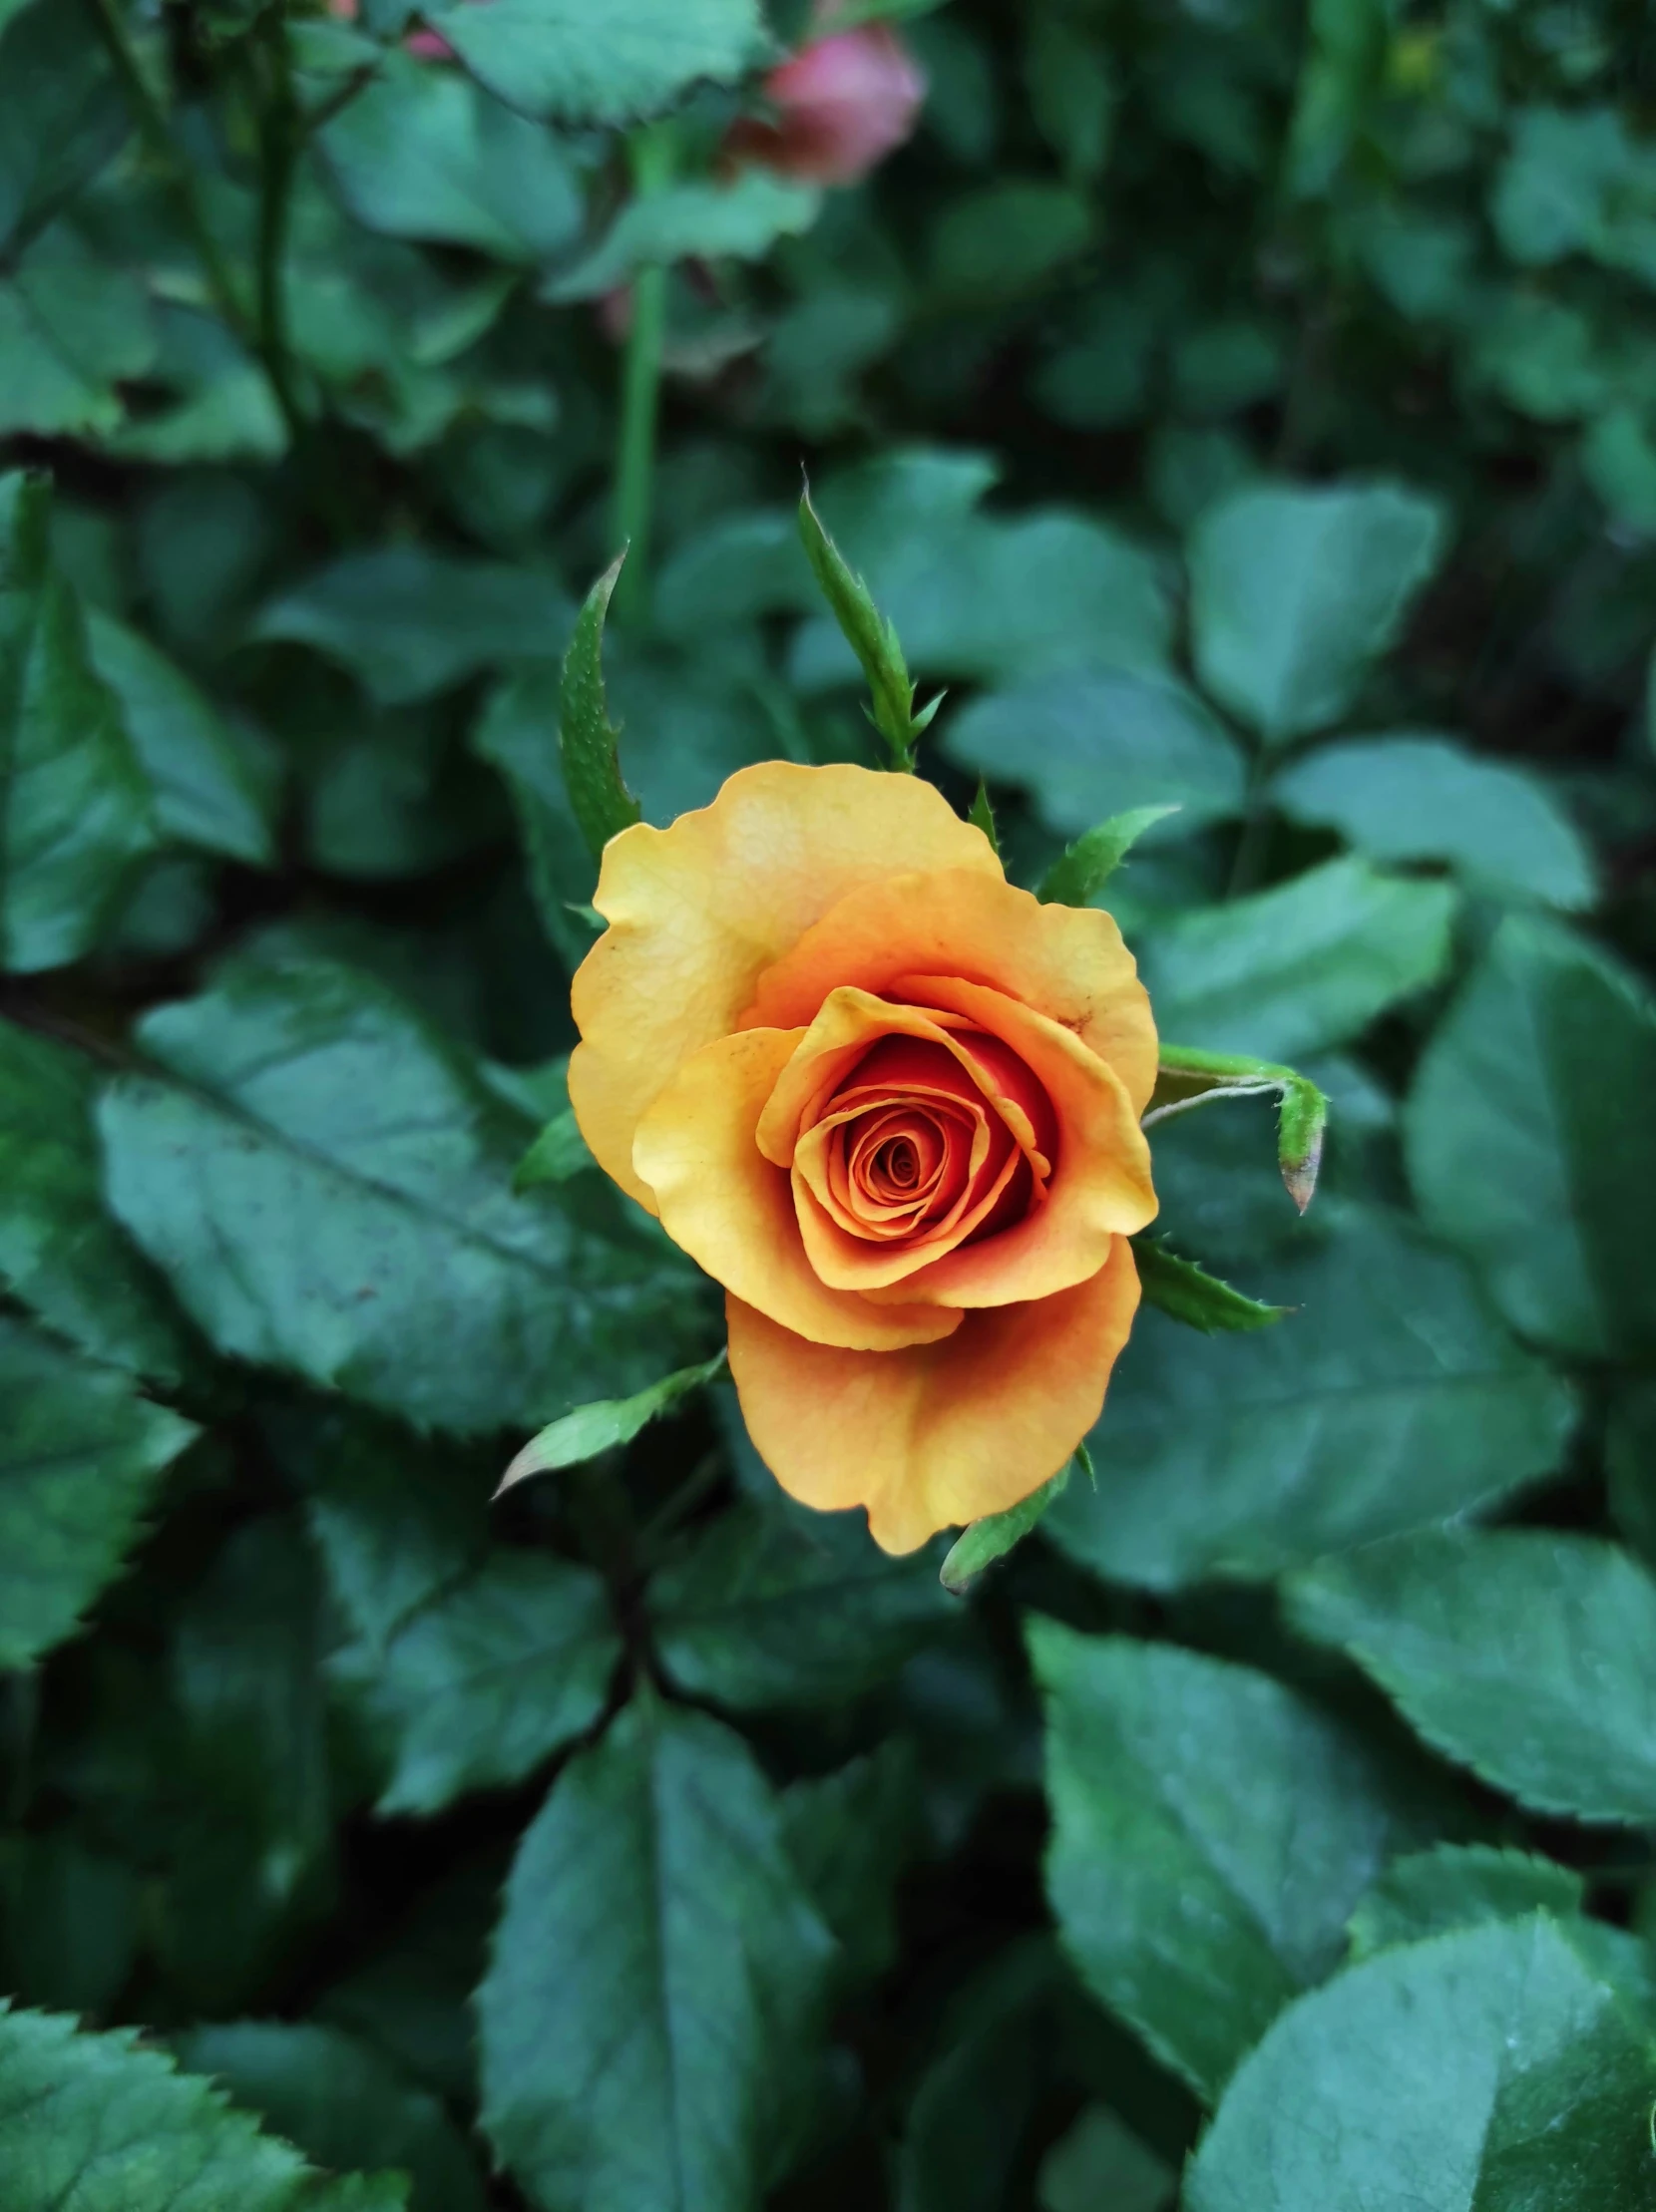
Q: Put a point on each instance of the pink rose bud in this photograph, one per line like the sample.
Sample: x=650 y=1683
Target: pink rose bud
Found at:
x=431 y=46
x=842 y=105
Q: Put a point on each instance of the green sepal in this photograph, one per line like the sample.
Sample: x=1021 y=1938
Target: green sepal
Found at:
x=587 y=739
x=1186 y=1078
x=607 y=1422
x=871 y=637
x=1083 y=870
x=983 y=1542
x=1193 y=1295
x=981 y=813
x=559 y=1152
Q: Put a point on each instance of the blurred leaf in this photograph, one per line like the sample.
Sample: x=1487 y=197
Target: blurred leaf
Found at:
x=603 y=1425
x=850 y=1834
x=1074 y=92
x=316 y=1157
x=518 y=734
x=971 y=2106
x=1211 y=1832
x=73 y=805
x=1190 y=1295
x=1293 y=593
x=1522 y=1148
x=1102 y=742
x=559 y=1152
x=1102 y=2161
x=80 y=1460
x=1459 y=1885
x=208 y=790
x=739 y=217
x=550 y=58
x=784 y=1607
x=102 y=2124
x=1077 y=879
x=651 y=2016
x=1300 y=967
x=59 y=1253
x=72 y=329
x=1387 y=1400
x=1493 y=2056
x=1630 y=1463
x=586 y=740
x=1010 y=238
x=1341 y=79
x=339 y=2103
x=1408 y=798
x=423 y=153
x=73 y=1922
x=1463 y=1630
x=62 y=118
x=983 y=1542
x=1574 y=181
x=1618 y=455
x=408 y=621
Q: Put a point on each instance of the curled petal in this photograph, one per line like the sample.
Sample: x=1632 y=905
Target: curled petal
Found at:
x=941 y=1433
x=1066 y=961
x=733 y=1211
x=698 y=910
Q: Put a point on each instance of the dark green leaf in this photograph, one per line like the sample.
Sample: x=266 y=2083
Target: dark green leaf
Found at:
x=1391 y=1399
x=1102 y=2161
x=1302 y=966
x=340 y=2103
x=1459 y=1885
x=550 y=58
x=1464 y=1630
x=1293 y=593
x=317 y=1158
x=586 y=741
x=518 y=732
x=81 y=1459
x=739 y=217
x=1520 y=1147
x=1089 y=865
x=94 y=2124
x=1489 y=2068
x=960 y=2147
x=73 y=1922
x=59 y=1253
x=778 y=1605
x=651 y=2014
x=1211 y=1833
x=75 y=810
x=62 y=118
x=1630 y=1463
x=850 y=1834
x=1193 y=1295
x=72 y=329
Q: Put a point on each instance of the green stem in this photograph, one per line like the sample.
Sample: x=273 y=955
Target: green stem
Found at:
x=652 y=153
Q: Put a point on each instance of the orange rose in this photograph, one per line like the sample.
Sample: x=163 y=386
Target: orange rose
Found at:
x=891 y=1103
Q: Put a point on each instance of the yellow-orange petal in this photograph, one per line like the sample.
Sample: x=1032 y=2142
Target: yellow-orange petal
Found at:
x=698 y=910
x=1069 y=963
x=733 y=1211
x=1101 y=1187
x=940 y=1435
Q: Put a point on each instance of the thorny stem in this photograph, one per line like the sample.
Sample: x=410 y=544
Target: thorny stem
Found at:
x=651 y=154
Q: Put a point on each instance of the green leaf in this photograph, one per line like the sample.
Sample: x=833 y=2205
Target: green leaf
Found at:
x=552 y=58
x=70 y=119
x=73 y=1922
x=208 y=791
x=586 y=740
x=850 y=1834
x=1463 y=1630
x=1077 y=879
x=423 y=153
x=410 y=622
x=1102 y=2161
x=339 y=2103
x=1459 y=1885
x=1295 y=593
x=1211 y=1833
x=559 y=1152
x=72 y=329
x=870 y=634
x=1630 y=1463
x=59 y=1253
x=1300 y=967
x=74 y=804
x=1193 y=1295
x=316 y=1159
x=983 y=1542
x=1489 y=2069
x=1390 y=1401
x=739 y=218
x=604 y=1424
x=777 y=1606
x=1559 y=190
x=652 y=2011
x=80 y=1462
x=972 y=2105
x=1408 y=798
x=98 y=2123
x=1004 y=241
x=479 y=1685
x=1522 y=1152
x=518 y=734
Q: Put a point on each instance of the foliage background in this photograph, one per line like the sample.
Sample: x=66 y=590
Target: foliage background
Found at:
x=1238 y=404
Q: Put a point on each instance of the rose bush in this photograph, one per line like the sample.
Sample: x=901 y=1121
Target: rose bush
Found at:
x=892 y=1104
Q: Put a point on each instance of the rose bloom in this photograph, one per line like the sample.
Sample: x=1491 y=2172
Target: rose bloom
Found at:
x=892 y=1104
x=842 y=104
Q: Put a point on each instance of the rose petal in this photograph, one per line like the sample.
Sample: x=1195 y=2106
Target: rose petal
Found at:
x=943 y=1433
x=698 y=912
x=733 y=1211
x=1066 y=961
